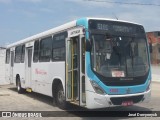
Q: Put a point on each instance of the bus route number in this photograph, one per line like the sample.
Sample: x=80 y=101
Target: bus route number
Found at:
x=102 y=26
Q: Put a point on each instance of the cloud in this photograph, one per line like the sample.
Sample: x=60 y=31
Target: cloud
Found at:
x=5 y=1
x=32 y=1
x=13 y=1
x=47 y=10
x=91 y=3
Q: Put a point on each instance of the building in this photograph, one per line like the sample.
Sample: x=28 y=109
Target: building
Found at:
x=154 y=39
x=2 y=66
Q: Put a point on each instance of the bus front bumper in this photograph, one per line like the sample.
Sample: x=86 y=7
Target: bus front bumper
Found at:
x=95 y=100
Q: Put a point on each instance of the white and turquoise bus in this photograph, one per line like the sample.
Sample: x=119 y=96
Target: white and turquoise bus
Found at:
x=90 y=62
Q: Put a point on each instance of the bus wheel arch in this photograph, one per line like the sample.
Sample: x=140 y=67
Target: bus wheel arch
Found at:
x=58 y=94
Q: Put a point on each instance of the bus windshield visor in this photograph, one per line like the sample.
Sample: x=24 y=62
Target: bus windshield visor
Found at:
x=119 y=56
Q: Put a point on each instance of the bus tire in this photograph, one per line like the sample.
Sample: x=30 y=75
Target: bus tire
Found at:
x=20 y=90
x=60 y=97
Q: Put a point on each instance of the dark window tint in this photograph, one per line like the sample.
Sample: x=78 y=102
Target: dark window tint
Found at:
x=12 y=59
x=18 y=52
x=29 y=57
x=59 y=47
x=59 y=54
x=36 y=51
x=7 y=56
x=158 y=33
x=45 y=49
x=23 y=54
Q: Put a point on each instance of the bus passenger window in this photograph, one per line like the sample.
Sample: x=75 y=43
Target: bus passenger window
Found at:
x=58 y=50
x=45 y=49
x=18 y=52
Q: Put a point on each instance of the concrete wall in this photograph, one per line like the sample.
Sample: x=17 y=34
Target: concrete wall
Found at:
x=2 y=66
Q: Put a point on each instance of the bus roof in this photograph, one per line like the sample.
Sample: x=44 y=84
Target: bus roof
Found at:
x=109 y=19
x=61 y=28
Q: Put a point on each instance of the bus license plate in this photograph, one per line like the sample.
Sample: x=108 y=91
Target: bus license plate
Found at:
x=127 y=103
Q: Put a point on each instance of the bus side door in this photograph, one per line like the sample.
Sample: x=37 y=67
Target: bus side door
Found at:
x=75 y=63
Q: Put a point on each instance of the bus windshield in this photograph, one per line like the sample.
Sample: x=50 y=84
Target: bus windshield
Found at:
x=119 y=56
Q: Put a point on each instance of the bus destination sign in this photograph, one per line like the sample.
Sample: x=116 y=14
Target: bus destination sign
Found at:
x=116 y=27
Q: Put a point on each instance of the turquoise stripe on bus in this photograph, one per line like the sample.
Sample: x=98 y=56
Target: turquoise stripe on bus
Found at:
x=83 y=22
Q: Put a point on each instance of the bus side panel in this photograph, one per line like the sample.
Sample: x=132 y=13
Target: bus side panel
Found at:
x=43 y=74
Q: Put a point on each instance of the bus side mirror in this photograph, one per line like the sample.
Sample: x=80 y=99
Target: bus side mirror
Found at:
x=88 y=45
x=150 y=47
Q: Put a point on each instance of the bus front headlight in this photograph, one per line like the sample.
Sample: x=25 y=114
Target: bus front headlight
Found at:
x=97 y=88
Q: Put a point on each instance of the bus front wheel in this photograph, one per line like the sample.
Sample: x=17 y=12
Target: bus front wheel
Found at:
x=60 y=97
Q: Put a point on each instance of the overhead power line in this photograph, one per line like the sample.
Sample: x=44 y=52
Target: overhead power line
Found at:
x=128 y=3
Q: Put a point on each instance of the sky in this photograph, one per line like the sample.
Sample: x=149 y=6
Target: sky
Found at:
x=20 y=19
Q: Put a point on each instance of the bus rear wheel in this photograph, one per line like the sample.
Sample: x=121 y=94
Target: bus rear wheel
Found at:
x=19 y=88
x=60 y=97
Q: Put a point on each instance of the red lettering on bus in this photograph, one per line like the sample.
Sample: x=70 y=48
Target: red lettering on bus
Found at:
x=41 y=72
